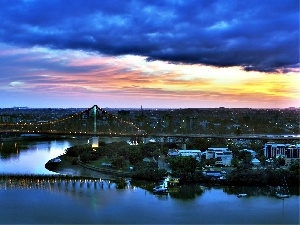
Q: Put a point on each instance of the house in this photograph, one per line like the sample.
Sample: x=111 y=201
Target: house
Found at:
x=146 y=160
x=172 y=153
x=255 y=162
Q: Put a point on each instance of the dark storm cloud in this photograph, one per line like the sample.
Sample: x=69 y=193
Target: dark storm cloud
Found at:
x=257 y=35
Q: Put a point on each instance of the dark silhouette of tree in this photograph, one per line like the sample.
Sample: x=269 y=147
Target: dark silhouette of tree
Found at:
x=183 y=164
x=238 y=131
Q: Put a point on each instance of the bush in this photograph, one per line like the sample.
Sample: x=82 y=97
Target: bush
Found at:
x=148 y=171
x=76 y=150
x=74 y=162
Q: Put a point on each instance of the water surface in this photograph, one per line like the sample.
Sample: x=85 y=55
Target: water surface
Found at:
x=88 y=202
x=93 y=204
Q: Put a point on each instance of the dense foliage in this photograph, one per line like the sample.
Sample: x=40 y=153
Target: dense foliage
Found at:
x=148 y=171
x=185 y=169
x=269 y=176
x=121 y=155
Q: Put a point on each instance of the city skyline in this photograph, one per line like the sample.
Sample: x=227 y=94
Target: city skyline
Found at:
x=161 y=54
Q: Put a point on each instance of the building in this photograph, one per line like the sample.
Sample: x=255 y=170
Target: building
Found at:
x=255 y=162
x=291 y=153
x=211 y=152
x=173 y=153
x=223 y=156
x=184 y=152
x=193 y=153
x=274 y=150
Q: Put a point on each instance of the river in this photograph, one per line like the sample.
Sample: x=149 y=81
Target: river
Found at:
x=90 y=202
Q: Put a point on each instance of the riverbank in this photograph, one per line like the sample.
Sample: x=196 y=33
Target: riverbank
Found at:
x=114 y=172
x=68 y=167
x=254 y=178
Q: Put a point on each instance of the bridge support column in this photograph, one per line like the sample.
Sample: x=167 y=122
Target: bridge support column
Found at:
x=95 y=142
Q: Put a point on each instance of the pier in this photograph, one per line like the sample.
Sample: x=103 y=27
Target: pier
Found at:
x=51 y=181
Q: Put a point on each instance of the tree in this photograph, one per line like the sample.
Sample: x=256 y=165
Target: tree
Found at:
x=135 y=155
x=118 y=162
x=183 y=164
x=198 y=143
x=148 y=171
x=76 y=150
x=149 y=149
x=281 y=161
x=244 y=156
x=234 y=162
x=238 y=131
x=121 y=183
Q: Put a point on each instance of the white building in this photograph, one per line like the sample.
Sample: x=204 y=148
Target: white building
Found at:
x=193 y=153
x=210 y=152
x=185 y=152
x=223 y=156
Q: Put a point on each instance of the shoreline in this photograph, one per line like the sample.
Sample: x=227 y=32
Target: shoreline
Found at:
x=65 y=167
x=113 y=174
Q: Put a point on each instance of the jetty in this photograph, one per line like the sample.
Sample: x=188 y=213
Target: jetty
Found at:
x=28 y=181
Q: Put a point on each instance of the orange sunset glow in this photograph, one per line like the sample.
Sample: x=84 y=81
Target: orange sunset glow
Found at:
x=121 y=59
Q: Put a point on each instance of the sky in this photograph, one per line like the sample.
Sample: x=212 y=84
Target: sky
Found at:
x=155 y=54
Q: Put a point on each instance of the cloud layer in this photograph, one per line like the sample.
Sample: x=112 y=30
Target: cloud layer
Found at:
x=39 y=77
x=256 y=35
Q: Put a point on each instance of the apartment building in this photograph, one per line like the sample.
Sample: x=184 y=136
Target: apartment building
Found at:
x=291 y=153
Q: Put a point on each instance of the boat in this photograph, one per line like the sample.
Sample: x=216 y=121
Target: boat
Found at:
x=282 y=192
x=278 y=195
x=160 y=190
x=242 y=195
x=55 y=160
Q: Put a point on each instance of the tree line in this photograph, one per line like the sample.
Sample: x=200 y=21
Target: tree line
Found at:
x=122 y=156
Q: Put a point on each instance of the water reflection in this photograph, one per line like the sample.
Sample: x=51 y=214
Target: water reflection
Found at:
x=78 y=186
x=257 y=191
x=187 y=191
x=9 y=149
x=89 y=201
x=101 y=201
x=52 y=183
x=30 y=156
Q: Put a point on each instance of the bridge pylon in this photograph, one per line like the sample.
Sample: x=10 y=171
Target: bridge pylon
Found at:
x=95 y=140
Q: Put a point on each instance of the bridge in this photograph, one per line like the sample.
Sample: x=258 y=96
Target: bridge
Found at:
x=275 y=137
x=93 y=121
x=96 y=121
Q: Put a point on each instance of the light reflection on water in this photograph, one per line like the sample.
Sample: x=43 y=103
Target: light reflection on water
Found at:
x=30 y=157
x=89 y=203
